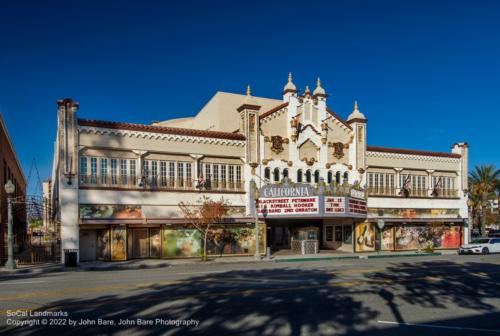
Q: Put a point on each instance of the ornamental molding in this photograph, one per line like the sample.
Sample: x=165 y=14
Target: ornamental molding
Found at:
x=160 y=136
x=414 y=157
x=274 y=115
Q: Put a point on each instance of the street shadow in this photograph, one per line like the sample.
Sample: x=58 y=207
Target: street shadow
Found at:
x=244 y=302
x=437 y=284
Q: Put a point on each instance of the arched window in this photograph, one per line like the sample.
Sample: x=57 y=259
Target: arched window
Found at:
x=308 y=176
x=346 y=177
x=329 y=177
x=276 y=174
x=285 y=172
x=337 y=177
x=299 y=176
x=316 y=176
x=267 y=173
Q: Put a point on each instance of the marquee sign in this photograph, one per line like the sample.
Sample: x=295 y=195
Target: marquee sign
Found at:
x=291 y=200
x=287 y=206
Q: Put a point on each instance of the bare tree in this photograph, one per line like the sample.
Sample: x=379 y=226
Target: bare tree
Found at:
x=204 y=215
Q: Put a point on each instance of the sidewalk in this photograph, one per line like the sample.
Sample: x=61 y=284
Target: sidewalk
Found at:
x=165 y=263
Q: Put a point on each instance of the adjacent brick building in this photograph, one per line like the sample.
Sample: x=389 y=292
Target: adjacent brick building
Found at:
x=10 y=169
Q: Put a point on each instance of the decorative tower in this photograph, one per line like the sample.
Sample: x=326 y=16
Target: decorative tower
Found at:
x=249 y=126
x=358 y=150
x=290 y=90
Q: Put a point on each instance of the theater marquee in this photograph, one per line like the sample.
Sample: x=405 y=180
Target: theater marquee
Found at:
x=289 y=199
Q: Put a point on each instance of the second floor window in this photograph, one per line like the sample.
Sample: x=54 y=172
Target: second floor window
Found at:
x=114 y=179
x=83 y=170
x=93 y=170
x=104 y=171
x=123 y=171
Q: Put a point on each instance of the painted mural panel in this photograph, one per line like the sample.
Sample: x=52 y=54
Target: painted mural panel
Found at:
x=155 y=242
x=118 y=243
x=181 y=242
x=236 y=240
x=119 y=211
x=365 y=237
x=103 y=245
x=388 y=238
x=410 y=237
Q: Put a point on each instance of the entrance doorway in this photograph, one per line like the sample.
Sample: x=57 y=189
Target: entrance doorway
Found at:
x=280 y=231
x=140 y=243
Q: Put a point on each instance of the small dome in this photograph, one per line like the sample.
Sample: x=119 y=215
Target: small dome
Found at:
x=319 y=90
x=290 y=87
x=356 y=114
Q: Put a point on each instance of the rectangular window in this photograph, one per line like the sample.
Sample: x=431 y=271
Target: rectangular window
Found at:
x=189 y=177
x=163 y=173
x=223 y=180
x=114 y=179
x=171 y=173
x=180 y=173
x=208 y=175
x=93 y=170
x=154 y=174
x=231 y=176
x=83 y=170
x=123 y=171
x=104 y=171
x=145 y=172
x=216 y=175
x=238 y=177
x=132 y=172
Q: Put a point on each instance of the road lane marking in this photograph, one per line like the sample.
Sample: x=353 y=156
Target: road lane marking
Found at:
x=438 y=326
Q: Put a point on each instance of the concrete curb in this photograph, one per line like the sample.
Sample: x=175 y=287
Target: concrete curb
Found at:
x=404 y=255
x=315 y=259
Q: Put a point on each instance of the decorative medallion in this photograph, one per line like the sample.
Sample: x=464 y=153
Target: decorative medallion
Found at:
x=338 y=150
x=277 y=144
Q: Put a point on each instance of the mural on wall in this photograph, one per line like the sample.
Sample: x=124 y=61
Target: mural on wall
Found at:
x=181 y=242
x=155 y=242
x=410 y=237
x=118 y=243
x=236 y=240
x=365 y=237
x=103 y=245
x=387 y=238
x=414 y=213
x=94 y=211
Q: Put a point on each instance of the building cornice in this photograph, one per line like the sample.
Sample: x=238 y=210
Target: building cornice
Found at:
x=129 y=128
x=412 y=152
x=338 y=118
x=271 y=111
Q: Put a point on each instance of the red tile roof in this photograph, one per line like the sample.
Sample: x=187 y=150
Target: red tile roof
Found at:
x=160 y=129
x=411 y=152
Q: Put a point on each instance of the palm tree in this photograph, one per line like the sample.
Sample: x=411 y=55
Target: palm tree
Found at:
x=484 y=180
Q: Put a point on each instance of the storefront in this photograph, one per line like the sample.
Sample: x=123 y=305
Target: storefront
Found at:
x=410 y=229
x=104 y=236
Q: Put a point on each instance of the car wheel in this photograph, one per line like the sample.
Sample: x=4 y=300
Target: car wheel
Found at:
x=485 y=250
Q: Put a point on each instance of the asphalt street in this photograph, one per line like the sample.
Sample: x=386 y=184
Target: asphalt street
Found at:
x=444 y=295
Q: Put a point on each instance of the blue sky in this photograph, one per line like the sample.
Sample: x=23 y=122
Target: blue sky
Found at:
x=426 y=73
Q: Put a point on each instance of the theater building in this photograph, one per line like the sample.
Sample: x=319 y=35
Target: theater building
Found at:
x=306 y=173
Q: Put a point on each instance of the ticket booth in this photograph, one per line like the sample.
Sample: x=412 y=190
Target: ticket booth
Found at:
x=305 y=240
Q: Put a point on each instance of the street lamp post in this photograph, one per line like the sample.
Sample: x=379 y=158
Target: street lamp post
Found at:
x=9 y=189
x=257 y=240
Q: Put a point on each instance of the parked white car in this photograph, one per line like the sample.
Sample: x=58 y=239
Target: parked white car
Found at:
x=481 y=245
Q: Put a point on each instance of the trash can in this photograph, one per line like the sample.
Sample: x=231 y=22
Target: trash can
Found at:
x=70 y=258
